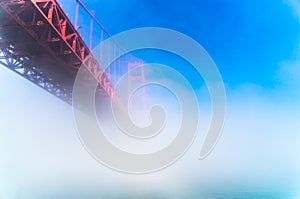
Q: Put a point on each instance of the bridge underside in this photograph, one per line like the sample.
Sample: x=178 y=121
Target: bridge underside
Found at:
x=38 y=41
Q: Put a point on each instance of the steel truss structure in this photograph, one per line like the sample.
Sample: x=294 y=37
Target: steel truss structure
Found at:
x=39 y=42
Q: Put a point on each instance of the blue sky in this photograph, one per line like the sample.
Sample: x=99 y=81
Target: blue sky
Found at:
x=248 y=40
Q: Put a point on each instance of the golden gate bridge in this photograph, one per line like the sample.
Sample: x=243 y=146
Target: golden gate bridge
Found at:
x=39 y=42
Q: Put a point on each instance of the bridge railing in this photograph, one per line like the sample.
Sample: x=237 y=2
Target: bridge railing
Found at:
x=96 y=34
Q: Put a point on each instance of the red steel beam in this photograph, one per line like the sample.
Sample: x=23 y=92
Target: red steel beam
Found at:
x=52 y=30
